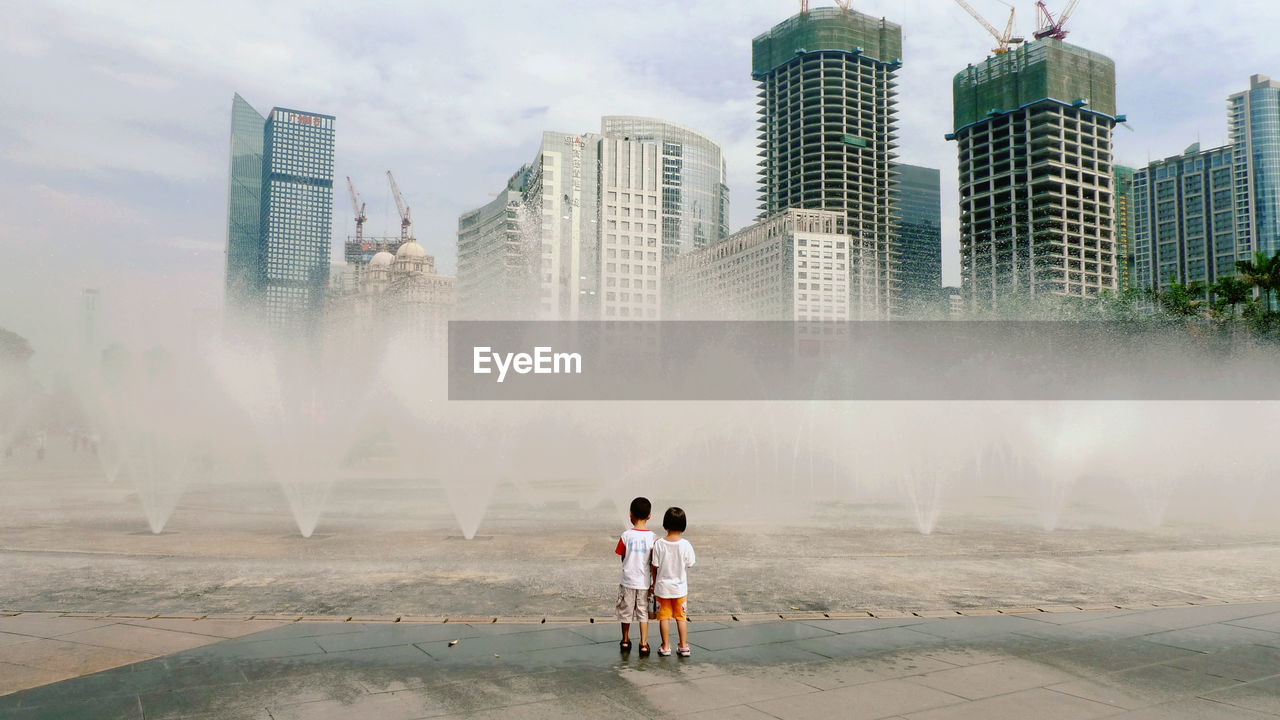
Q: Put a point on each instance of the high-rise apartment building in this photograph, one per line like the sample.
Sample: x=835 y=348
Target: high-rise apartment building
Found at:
x=1254 y=117
x=791 y=266
x=1185 y=217
x=278 y=256
x=920 y=237
x=695 y=197
x=1033 y=128
x=827 y=131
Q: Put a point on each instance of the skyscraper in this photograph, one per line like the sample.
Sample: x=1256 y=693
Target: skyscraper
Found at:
x=1185 y=219
x=1034 y=131
x=1255 y=142
x=827 y=131
x=920 y=236
x=278 y=256
x=695 y=197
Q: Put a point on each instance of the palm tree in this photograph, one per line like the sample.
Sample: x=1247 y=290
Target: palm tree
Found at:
x=1231 y=291
x=1263 y=273
x=1181 y=300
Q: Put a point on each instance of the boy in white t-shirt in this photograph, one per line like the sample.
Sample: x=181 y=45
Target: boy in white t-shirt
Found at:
x=633 y=591
x=672 y=555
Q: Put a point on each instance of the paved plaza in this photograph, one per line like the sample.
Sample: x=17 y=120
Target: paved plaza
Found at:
x=1194 y=662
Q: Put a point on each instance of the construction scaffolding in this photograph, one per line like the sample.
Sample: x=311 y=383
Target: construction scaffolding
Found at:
x=1044 y=69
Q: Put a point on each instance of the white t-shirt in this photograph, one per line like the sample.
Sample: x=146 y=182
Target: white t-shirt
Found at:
x=634 y=547
x=671 y=559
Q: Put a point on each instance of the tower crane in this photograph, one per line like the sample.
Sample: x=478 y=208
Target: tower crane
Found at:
x=1050 y=26
x=1005 y=40
x=844 y=5
x=404 y=209
x=358 y=208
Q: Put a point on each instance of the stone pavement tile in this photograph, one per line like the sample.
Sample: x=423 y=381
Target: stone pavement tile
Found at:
x=68 y=657
x=1102 y=656
x=1069 y=618
x=109 y=707
x=1102 y=629
x=720 y=691
x=1212 y=638
x=20 y=677
x=999 y=678
x=964 y=628
x=1039 y=703
x=576 y=705
x=869 y=701
x=1013 y=645
x=263 y=649
x=755 y=634
x=1244 y=663
x=642 y=673
x=151 y=641
x=963 y=656
x=1261 y=695
x=281 y=631
x=481 y=647
x=870 y=642
x=1107 y=692
x=736 y=712
x=752 y=655
x=1193 y=709
x=1170 y=681
x=12 y=639
x=217 y=628
x=48 y=625
x=831 y=674
x=403 y=705
x=396 y=657
x=851 y=625
x=1269 y=622
x=373 y=636
x=1178 y=618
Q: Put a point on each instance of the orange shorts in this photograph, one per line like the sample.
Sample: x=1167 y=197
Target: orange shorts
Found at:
x=669 y=608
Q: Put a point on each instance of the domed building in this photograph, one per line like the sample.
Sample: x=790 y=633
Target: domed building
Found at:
x=398 y=293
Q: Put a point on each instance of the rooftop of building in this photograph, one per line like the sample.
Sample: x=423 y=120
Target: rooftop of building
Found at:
x=826 y=29
x=604 y=122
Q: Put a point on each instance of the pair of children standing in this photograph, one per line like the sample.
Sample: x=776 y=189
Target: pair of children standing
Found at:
x=654 y=566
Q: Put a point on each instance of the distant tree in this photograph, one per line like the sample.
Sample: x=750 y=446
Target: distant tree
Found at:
x=1182 y=300
x=1230 y=292
x=1262 y=272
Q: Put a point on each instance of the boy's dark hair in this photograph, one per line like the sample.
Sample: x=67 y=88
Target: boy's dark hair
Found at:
x=674 y=520
x=640 y=508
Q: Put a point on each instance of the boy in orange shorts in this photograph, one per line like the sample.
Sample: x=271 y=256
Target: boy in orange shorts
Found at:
x=671 y=556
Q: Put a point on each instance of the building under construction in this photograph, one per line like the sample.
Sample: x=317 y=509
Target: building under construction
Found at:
x=827 y=131
x=1033 y=127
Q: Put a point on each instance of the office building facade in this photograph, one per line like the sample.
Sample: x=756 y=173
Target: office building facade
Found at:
x=695 y=195
x=278 y=256
x=791 y=266
x=1033 y=128
x=496 y=277
x=919 y=237
x=631 y=250
x=828 y=133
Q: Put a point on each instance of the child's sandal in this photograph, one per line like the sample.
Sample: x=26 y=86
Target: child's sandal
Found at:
x=684 y=651
x=625 y=646
x=644 y=651
x=664 y=652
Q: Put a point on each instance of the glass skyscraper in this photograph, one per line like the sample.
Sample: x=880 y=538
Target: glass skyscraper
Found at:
x=1255 y=140
x=695 y=196
x=278 y=256
x=920 y=236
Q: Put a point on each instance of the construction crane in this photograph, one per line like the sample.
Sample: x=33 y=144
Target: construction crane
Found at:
x=1050 y=26
x=844 y=5
x=358 y=208
x=404 y=209
x=1005 y=40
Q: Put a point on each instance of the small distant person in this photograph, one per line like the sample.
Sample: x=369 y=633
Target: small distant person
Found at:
x=672 y=556
x=633 y=591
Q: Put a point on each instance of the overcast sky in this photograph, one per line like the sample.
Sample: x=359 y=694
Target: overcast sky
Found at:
x=114 y=117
